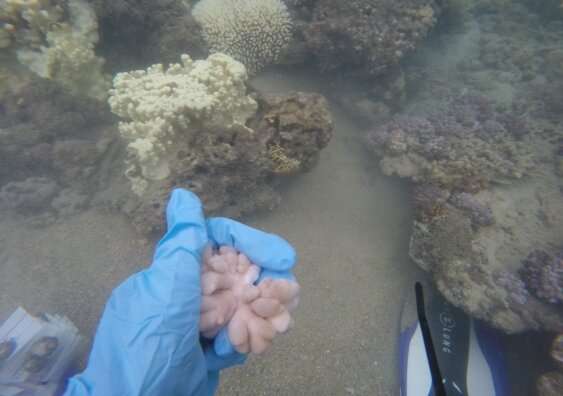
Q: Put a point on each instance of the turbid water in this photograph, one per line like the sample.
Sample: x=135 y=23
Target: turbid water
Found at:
x=349 y=224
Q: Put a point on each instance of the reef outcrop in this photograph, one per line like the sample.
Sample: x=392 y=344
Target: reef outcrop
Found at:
x=55 y=149
x=483 y=201
x=254 y=32
x=56 y=40
x=194 y=125
x=465 y=146
x=365 y=37
x=252 y=312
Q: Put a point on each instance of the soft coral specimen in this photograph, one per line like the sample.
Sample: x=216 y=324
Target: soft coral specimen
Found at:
x=253 y=314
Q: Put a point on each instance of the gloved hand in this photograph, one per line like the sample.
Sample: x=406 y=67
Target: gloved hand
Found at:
x=271 y=253
x=147 y=342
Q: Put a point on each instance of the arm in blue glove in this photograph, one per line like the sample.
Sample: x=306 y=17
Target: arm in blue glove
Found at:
x=148 y=341
x=272 y=254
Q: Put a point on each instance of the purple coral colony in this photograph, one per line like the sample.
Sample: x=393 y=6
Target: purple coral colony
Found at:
x=479 y=136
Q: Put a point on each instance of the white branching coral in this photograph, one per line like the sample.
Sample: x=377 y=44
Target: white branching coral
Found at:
x=161 y=106
x=56 y=40
x=254 y=32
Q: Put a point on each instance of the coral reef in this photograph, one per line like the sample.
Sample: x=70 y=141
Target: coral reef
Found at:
x=480 y=215
x=29 y=195
x=485 y=196
x=369 y=36
x=556 y=351
x=136 y=33
x=466 y=146
x=56 y=40
x=551 y=383
x=254 y=32
x=253 y=314
x=55 y=149
x=194 y=126
x=471 y=264
x=299 y=126
x=161 y=105
x=543 y=274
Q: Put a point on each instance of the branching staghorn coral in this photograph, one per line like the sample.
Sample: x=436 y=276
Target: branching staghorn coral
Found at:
x=254 y=32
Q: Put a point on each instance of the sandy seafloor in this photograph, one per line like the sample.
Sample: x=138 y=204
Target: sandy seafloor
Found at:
x=349 y=224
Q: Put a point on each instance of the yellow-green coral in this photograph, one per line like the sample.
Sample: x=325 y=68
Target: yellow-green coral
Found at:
x=56 y=40
x=283 y=165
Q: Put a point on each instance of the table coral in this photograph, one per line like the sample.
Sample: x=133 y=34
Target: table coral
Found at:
x=253 y=314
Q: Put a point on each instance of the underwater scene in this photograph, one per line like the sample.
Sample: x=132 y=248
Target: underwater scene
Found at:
x=404 y=159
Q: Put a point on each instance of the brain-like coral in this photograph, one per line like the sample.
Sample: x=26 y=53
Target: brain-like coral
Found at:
x=543 y=274
x=253 y=313
x=466 y=146
x=255 y=32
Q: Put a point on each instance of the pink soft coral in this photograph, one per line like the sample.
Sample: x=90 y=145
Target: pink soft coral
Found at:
x=253 y=314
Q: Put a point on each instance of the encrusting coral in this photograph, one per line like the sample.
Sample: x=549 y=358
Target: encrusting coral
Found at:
x=56 y=40
x=298 y=126
x=253 y=314
x=195 y=126
x=466 y=146
x=254 y=32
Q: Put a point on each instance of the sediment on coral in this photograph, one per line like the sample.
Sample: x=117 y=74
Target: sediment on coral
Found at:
x=194 y=125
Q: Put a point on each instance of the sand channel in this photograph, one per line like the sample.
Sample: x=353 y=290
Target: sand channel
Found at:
x=349 y=224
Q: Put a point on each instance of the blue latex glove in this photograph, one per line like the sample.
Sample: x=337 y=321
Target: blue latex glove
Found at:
x=148 y=341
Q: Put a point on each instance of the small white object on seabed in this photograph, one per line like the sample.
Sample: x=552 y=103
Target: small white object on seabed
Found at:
x=36 y=353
